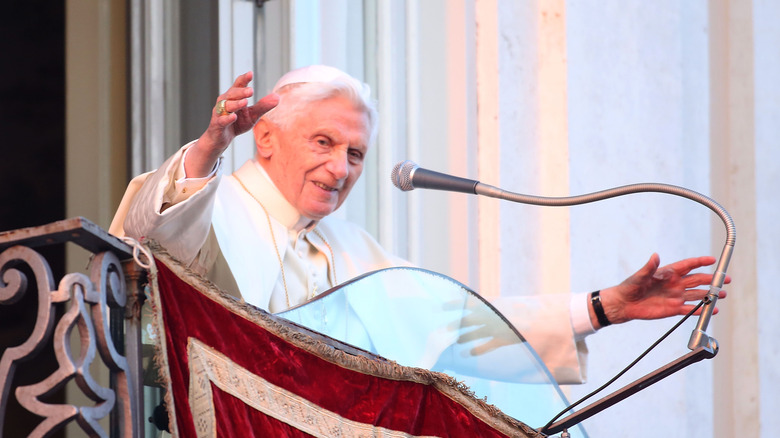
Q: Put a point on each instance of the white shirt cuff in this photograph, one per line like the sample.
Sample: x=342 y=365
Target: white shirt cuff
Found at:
x=184 y=187
x=580 y=316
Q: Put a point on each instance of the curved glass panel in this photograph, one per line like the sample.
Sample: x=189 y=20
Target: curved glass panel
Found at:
x=422 y=319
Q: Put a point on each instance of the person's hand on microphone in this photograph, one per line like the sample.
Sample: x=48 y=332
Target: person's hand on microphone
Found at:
x=655 y=292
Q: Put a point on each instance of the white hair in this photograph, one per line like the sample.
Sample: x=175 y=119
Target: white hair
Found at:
x=304 y=86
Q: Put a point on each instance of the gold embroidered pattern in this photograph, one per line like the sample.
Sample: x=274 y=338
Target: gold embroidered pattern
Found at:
x=210 y=366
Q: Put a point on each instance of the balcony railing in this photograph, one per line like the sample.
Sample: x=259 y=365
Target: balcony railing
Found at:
x=100 y=310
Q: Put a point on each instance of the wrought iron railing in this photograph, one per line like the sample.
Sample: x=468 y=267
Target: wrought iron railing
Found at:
x=100 y=309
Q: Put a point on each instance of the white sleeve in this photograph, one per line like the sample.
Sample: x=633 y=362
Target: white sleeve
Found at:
x=545 y=322
x=184 y=187
x=580 y=317
x=175 y=212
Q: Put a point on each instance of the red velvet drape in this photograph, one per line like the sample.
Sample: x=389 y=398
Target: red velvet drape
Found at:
x=405 y=406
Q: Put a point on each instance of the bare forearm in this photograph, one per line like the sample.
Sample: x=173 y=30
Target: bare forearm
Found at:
x=201 y=159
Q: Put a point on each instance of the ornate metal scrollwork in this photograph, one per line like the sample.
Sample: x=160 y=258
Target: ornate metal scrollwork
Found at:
x=76 y=286
x=13 y=285
x=90 y=300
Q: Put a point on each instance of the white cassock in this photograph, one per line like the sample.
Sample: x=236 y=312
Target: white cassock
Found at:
x=241 y=232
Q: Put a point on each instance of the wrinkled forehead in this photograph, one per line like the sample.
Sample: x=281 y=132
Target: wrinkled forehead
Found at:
x=325 y=111
x=298 y=100
x=315 y=83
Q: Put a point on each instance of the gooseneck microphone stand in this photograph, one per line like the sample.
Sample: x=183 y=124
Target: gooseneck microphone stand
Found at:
x=699 y=337
x=407 y=175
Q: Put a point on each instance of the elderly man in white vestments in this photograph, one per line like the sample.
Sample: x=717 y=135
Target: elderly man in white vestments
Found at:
x=265 y=233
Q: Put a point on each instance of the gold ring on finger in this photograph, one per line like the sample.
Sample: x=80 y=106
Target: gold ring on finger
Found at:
x=221 y=109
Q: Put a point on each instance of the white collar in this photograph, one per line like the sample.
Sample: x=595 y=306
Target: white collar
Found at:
x=259 y=184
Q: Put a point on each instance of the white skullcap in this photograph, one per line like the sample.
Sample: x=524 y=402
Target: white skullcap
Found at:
x=332 y=80
x=314 y=73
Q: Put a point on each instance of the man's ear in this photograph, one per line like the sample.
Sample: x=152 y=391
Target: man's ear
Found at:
x=264 y=138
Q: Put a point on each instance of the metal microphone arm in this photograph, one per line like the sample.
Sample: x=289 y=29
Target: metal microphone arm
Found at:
x=701 y=345
x=407 y=175
x=699 y=337
x=656 y=376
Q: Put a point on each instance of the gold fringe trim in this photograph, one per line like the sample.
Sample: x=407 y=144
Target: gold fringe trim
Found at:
x=331 y=350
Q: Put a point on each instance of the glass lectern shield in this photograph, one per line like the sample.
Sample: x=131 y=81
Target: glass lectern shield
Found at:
x=419 y=318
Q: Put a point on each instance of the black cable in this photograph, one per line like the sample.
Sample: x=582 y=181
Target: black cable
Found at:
x=706 y=300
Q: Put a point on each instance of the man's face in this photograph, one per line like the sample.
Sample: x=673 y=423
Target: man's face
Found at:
x=317 y=159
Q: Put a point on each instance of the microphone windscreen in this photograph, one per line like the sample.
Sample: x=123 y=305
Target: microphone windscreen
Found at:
x=394 y=174
x=401 y=175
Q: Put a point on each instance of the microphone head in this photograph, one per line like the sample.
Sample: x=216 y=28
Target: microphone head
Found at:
x=395 y=172
x=401 y=175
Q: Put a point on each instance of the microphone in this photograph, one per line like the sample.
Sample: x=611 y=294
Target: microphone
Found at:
x=407 y=175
